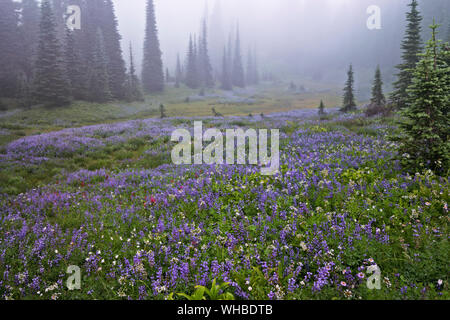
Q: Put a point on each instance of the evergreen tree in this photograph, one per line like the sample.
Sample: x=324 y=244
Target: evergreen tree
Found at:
x=411 y=46
x=216 y=36
x=237 y=75
x=349 y=97
x=152 y=67
x=321 y=108
x=255 y=74
x=178 y=73
x=425 y=139
x=205 y=69
x=9 y=21
x=133 y=86
x=162 y=111
x=29 y=28
x=378 y=98
x=226 y=82
x=76 y=77
x=59 y=8
x=192 y=79
x=115 y=62
x=167 y=75
x=98 y=76
x=51 y=86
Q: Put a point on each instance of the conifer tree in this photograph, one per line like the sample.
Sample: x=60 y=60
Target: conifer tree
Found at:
x=192 y=79
x=152 y=67
x=162 y=111
x=75 y=74
x=29 y=30
x=178 y=73
x=378 y=98
x=167 y=75
x=425 y=139
x=51 y=86
x=98 y=76
x=226 y=83
x=349 y=103
x=9 y=32
x=59 y=10
x=205 y=68
x=133 y=86
x=237 y=75
x=115 y=62
x=321 y=108
x=411 y=46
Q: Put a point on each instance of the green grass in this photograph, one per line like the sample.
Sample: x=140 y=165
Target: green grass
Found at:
x=267 y=99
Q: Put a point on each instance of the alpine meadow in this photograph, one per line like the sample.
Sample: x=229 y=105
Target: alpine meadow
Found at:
x=238 y=150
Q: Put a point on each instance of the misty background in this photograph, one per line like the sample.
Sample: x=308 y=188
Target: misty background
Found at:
x=307 y=38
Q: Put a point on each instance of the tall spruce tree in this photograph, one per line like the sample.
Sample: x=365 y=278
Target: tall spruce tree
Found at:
x=349 y=103
x=321 y=108
x=378 y=99
x=134 y=92
x=237 y=75
x=59 y=8
x=51 y=86
x=99 y=90
x=29 y=31
x=9 y=40
x=226 y=82
x=115 y=62
x=178 y=72
x=411 y=46
x=425 y=139
x=192 y=77
x=152 y=67
x=205 y=68
x=167 y=75
x=75 y=74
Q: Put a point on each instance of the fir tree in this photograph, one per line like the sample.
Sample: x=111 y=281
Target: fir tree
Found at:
x=178 y=73
x=152 y=67
x=98 y=77
x=162 y=111
x=378 y=98
x=115 y=62
x=51 y=86
x=411 y=46
x=29 y=28
x=321 y=108
x=349 y=103
x=205 y=68
x=9 y=40
x=59 y=10
x=192 y=79
x=133 y=86
x=237 y=75
x=167 y=75
x=76 y=77
x=226 y=83
x=425 y=139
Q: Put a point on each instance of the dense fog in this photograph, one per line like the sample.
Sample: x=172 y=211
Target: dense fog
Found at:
x=292 y=37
